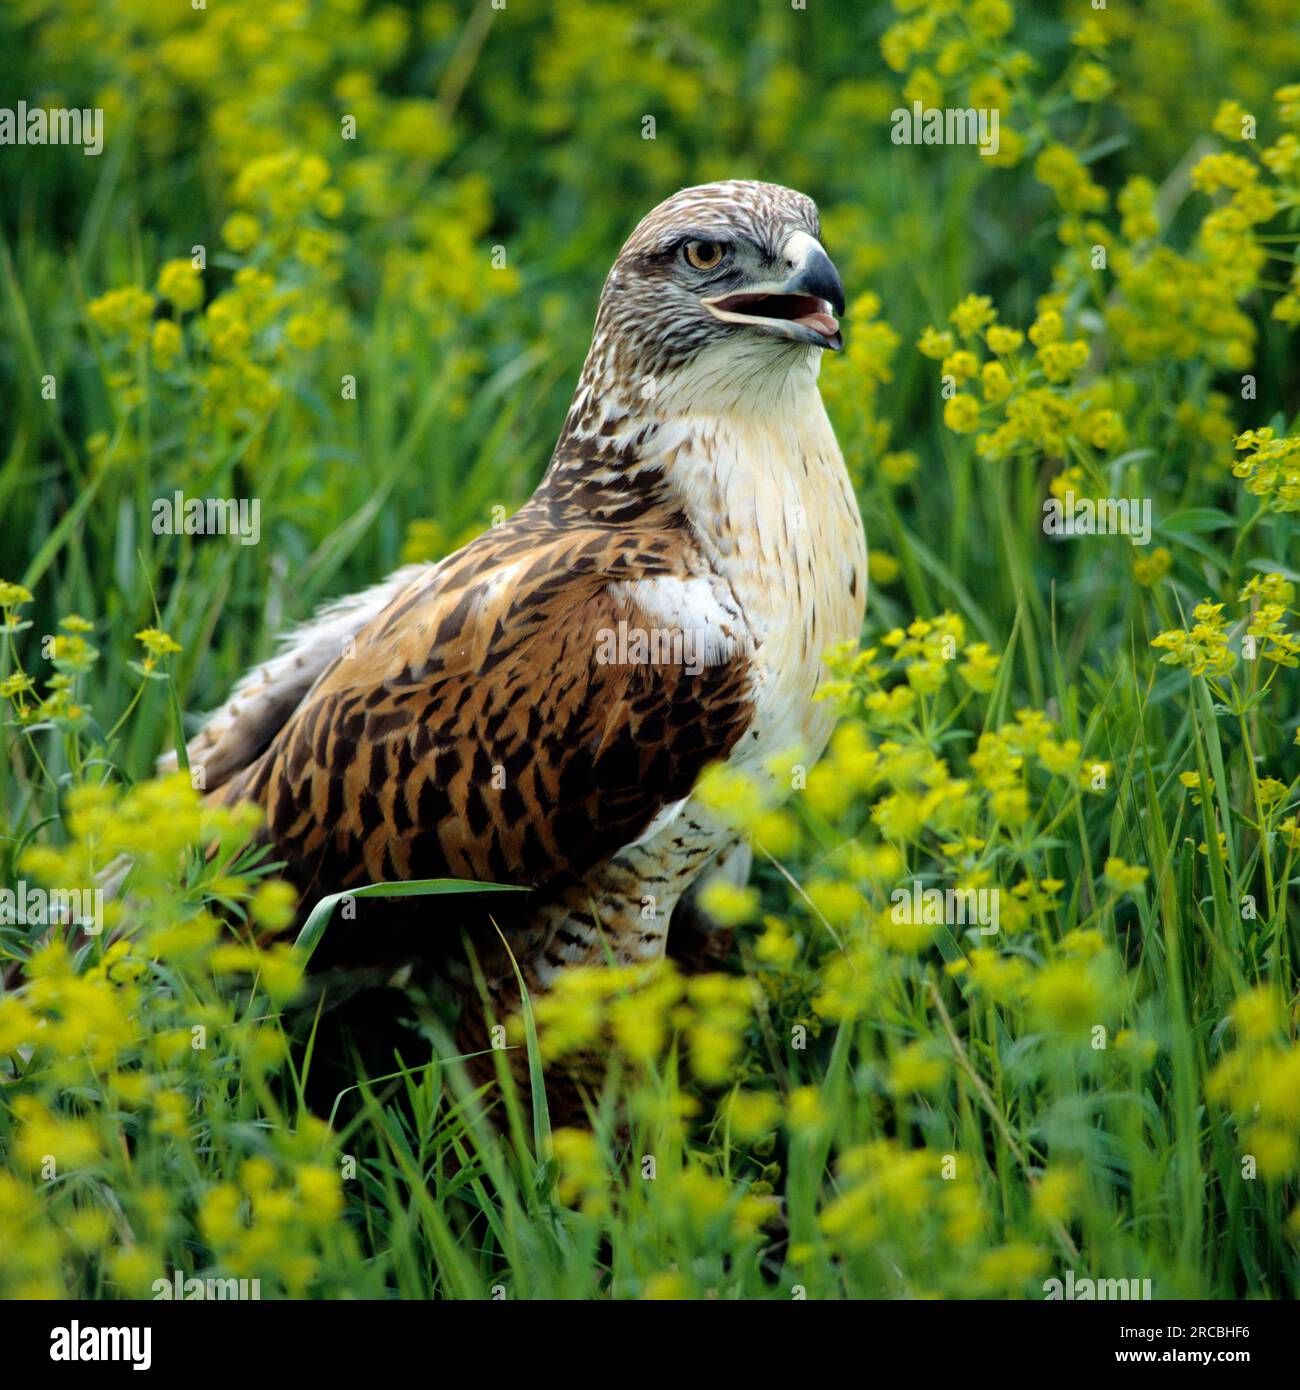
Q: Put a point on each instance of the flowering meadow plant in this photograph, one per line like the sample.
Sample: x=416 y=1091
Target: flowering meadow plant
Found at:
x=1013 y=985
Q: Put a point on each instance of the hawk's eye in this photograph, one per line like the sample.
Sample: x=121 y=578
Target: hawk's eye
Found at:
x=704 y=255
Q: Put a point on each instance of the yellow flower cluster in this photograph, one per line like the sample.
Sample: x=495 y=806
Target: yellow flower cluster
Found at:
x=138 y=1023
x=272 y=1220
x=641 y=1011
x=956 y=55
x=1187 y=305
x=890 y=1198
x=1258 y=1083
x=1029 y=395
x=925 y=655
x=1203 y=649
x=1270 y=467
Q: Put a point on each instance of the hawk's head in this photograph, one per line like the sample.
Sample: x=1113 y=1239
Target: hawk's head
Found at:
x=730 y=274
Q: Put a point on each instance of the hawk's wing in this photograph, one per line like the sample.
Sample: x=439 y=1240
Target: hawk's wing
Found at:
x=481 y=730
x=265 y=697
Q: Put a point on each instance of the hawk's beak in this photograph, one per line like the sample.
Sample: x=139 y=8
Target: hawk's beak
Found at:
x=803 y=306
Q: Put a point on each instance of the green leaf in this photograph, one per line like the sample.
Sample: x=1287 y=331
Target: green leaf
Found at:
x=1197 y=519
x=314 y=927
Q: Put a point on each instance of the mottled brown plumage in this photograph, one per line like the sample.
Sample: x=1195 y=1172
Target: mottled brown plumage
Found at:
x=466 y=718
x=470 y=732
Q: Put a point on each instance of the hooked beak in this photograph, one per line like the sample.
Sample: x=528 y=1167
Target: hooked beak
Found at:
x=802 y=307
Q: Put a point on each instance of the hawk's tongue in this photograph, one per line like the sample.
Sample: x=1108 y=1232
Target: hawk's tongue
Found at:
x=823 y=323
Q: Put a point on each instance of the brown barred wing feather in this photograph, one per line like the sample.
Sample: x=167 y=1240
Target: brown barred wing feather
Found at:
x=479 y=731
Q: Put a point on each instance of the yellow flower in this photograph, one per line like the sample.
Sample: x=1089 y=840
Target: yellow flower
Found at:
x=1066 y=999
x=838 y=902
x=988 y=92
x=1091 y=33
x=1274 y=1150
x=1064 y=173
x=13 y=595
x=804 y=1109
x=181 y=283
x=304 y=331
x=46 y=1140
x=728 y=903
x=1060 y=759
x=241 y=232
x=319 y=1192
x=882 y=567
x=777 y=832
x=1091 y=82
x=666 y=1287
x=18 y=1023
x=1149 y=570
x=157 y=642
x=1277 y=1085
x=996 y=383
x=980 y=668
x=1135 y=1047
x=1060 y=361
x=961 y=366
x=123 y=312
x=962 y=413
x=274 y=904
x=1203 y=650
x=219 y=1215
x=916 y=1068
x=1258 y=1015
x=1122 y=877
x=1230 y=120
x=898 y=931
x=935 y=344
x=1056 y=1194
x=730 y=795
x=1004 y=340
x=1137 y=206
x=991 y=18
x=1270 y=588
x=896 y=468
x=165 y=344
x=1047 y=328
x=972 y=314
x=1218 y=171
x=713 y=1052
x=1011 y=149
x=923 y=86
x=752 y=1114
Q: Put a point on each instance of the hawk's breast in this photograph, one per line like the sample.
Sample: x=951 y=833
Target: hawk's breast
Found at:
x=774 y=500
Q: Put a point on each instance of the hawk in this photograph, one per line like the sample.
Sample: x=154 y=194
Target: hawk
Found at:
x=535 y=709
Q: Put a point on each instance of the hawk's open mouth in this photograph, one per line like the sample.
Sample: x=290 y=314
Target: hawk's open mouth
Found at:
x=804 y=311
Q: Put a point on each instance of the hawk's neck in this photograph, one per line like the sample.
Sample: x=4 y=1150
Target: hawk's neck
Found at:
x=635 y=446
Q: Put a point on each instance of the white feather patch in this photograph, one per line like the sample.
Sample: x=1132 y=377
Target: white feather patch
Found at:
x=703 y=610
